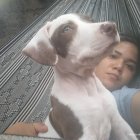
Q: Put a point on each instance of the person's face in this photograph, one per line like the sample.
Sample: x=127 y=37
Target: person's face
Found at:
x=119 y=67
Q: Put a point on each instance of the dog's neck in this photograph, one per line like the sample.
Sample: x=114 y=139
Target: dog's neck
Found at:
x=77 y=69
x=85 y=81
x=81 y=72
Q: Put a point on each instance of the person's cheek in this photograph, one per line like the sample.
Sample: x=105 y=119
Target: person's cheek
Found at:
x=127 y=77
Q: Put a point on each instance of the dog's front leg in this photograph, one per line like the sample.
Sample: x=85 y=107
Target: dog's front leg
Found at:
x=120 y=129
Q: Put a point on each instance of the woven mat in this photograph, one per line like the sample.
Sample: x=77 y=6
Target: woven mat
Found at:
x=14 y=137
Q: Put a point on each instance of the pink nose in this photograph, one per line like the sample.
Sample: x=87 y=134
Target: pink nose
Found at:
x=109 y=28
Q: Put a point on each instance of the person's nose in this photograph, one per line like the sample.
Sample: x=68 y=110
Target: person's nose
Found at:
x=119 y=65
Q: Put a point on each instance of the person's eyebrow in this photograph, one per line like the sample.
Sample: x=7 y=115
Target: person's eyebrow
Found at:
x=117 y=52
x=129 y=60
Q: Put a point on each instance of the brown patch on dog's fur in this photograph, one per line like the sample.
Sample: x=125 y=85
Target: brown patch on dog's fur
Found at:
x=64 y=121
x=61 y=38
x=86 y=18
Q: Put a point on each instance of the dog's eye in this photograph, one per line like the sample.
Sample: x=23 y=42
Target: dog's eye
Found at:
x=66 y=28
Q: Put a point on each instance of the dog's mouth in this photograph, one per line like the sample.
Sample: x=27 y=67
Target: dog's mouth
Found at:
x=110 y=48
x=105 y=52
x=93 y=60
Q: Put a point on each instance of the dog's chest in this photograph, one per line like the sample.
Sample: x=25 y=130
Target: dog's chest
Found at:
x=80 y=106
x=82 y=94
x=83 y=100
x=80 y=116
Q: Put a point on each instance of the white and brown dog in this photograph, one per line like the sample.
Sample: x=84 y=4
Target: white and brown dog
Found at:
x=82 y=108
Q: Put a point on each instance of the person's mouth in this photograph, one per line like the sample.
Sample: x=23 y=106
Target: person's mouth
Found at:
x=113 y=76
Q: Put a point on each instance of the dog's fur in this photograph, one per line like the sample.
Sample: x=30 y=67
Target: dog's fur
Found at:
x=82 y=108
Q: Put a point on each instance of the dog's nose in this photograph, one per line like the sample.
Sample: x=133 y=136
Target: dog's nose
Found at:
x=109 y=28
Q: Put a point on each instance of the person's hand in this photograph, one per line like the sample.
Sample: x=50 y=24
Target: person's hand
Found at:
x=26 y=129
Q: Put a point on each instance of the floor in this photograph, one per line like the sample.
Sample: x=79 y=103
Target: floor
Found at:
x=15 y=15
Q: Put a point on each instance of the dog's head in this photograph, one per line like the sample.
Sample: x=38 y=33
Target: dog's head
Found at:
x=71 y=36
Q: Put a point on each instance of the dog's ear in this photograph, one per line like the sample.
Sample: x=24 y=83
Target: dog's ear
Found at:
x=40 y=48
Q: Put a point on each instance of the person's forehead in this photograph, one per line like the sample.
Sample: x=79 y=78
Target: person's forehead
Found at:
x=127 y=49
x=125 y=45
x=128 y=44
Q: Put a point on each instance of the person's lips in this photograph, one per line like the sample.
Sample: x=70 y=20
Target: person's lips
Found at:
x=113 y=76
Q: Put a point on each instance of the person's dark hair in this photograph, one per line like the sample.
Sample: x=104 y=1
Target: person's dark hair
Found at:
x=131 y=39
x=135 y=41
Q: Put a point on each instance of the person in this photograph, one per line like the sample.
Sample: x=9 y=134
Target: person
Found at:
x=120 y=68
x=26 y=129
x=116 y=70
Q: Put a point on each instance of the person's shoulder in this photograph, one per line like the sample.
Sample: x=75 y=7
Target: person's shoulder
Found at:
x=124 y=98
x=125 y=92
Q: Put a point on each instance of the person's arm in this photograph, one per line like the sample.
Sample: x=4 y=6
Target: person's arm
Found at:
x=26 y=129
x=128 y=102
x=135 y=109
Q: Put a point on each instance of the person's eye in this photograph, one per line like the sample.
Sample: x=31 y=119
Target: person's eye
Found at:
x=66 y=28
x=113 y=56
x=131 y=67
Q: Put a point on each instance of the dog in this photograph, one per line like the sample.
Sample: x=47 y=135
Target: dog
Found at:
x=82 y=108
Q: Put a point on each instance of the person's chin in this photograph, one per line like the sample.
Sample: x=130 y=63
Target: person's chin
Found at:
x=110 y=85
